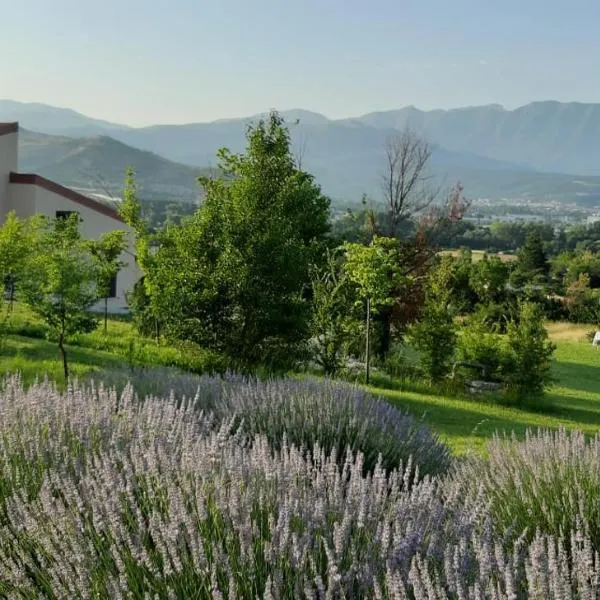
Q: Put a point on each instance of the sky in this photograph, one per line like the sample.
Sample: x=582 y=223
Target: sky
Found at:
x=141 y=62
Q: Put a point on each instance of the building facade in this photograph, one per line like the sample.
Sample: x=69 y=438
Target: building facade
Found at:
x=28 y=194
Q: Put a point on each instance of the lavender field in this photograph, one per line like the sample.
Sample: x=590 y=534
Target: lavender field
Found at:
x=228 y=489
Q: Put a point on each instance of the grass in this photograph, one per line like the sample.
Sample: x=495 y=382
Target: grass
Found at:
x=25 y=348
x=573 y=401
x=477 y=255
x=464 y=423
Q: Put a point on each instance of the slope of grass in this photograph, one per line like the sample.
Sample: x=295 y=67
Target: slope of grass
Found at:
x=573 y=400
x=24 y=347
x=465 y=423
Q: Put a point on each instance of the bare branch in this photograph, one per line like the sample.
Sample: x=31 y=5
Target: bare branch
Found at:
x=405 y=180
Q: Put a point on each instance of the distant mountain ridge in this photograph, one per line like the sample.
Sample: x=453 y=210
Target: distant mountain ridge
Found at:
x=524 y=153
x=98 y=164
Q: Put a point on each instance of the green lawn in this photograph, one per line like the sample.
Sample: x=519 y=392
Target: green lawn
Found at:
x=25 y=348
x=573 y=401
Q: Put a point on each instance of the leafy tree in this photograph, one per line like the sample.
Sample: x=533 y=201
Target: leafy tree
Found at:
x=375 y=270
x=489 y=278
x=533 y=262
x=106 y=252
x=235 y=276
x=529 y=371
x=144 y=300
x=332 y=325
x=18 y=241
x=60 y=282
x=434 y=335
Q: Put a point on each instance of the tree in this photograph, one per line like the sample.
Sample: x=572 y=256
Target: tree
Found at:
x=375 y=270
x=332 y=325
x=489 y=278
x=235 y=276
x=60 y=282
x=533 y=262
x=106 y=252
x=144 y=299
x=530 y=369
x=18 y=241
x=434 y=335
x=405 y=177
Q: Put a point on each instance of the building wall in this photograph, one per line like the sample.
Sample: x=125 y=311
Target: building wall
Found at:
x=9 y=144
x=28 y=199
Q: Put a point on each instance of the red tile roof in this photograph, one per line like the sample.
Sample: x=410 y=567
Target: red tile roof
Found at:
x=60 y=190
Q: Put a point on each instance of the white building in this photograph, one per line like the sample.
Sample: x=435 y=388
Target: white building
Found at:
x=28 y=194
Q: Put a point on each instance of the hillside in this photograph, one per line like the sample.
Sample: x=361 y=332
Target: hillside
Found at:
x=551 y=136
x=525 y=154
x=98 y=163
x=53 y=120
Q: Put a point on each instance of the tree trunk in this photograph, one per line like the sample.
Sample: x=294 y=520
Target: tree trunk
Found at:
x=105 y=315
x=11 y=297
x=157 y=330
x=368 y=343
x=385 y=324
x=63 y=351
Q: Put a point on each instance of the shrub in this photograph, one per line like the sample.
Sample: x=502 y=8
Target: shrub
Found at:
x=335 y=416
x=531 y=352
x=434 y=336
x=477 y=344
x=157 y=504
x=548 y=483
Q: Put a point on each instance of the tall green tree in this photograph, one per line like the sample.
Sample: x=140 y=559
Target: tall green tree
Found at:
x=144 y=299
x=18 y=241
x=434 y=335
x=107 y=251
x=530 y=369
x=533 y=261
x=375 y=270
x=60 y=284
x=235 y=276
x=333 y=325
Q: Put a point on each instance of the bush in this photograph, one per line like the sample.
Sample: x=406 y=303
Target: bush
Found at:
x=549 y=483
x=531 y=352
x=146 y=499
x=477 y=344
x=434 y=335
x=334 y=416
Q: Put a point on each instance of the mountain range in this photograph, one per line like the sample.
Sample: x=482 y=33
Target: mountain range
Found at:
x=542 y=151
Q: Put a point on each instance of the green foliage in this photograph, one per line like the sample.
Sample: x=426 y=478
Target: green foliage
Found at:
x=375 y=270
x=234 y=277
x=60 y=282
x=19 y=239
x=332 y=326
x=106 y=252
x=434 y=335
x=479 y=343
x=533 y=262
x=530 y=367
x=489 y=278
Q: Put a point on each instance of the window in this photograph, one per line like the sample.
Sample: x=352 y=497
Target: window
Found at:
x=112 y=290
x=64 y=214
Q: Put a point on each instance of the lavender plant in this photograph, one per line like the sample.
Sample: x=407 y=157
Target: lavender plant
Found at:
x=156 y=503
x=306 y=412
x=549 y=483
x=336 y=416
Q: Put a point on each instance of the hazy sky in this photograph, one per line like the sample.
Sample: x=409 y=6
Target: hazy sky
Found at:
x=156 y=61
